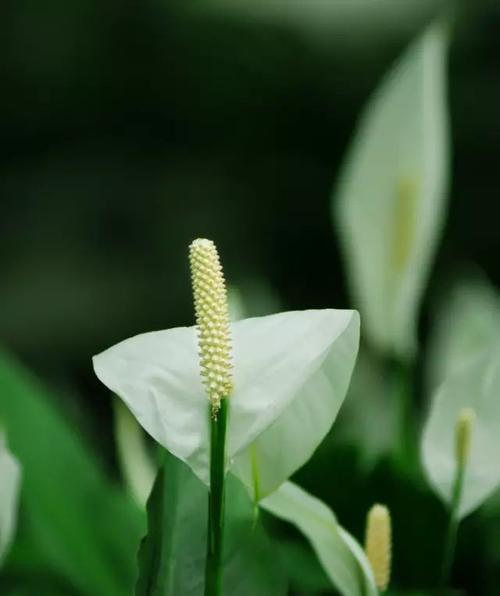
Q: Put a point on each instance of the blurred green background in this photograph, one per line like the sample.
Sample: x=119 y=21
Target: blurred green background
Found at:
x=130 y=128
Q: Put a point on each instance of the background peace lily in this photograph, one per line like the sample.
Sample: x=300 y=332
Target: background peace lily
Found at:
x=463 y=372
x=341 y=556
x=291 y=373
x=473 y=385
x=389 y=211
x=467 y=322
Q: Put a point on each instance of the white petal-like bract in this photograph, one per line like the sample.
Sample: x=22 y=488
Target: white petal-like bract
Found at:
x=390 y=202
x=291 y=373
x=342 y=558
x=475 y=385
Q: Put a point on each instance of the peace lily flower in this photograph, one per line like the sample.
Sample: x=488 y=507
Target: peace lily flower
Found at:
x=390 y=203
x=289 y=376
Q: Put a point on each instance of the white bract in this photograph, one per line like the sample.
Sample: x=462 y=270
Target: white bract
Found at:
x=341 y=556
x=468 y=323
x=474 y=385
x=10 y=479
x=137 y=467
x=390 y=203
x=291 y=373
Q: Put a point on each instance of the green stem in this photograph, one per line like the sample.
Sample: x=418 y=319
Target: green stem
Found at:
x=400 y=378
x=213 y=569
x=453 y=522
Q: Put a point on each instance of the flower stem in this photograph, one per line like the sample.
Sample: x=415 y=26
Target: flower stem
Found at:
x=400 y=379
x=453 y=522
x=213 y=569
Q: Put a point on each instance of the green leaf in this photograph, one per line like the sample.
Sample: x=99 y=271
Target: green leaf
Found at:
x=304 y=571
x=467 y=322
x=340 y=555
x=82 y=526
x=474 y=385
x=390 y=203
x=172 y=556
x=291 y=373
x=10 y=480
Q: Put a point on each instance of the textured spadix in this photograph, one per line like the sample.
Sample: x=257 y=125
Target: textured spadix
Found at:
x=212 y=320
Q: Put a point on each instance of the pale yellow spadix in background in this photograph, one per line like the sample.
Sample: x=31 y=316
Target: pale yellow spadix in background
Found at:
x=463 y=435
x=378 y=544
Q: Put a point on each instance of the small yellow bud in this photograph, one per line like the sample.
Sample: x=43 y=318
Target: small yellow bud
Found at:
x=378 y=544
x=463 y=431
x=212 y=320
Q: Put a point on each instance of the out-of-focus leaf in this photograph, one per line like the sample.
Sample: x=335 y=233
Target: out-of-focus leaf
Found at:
x=474 y=385
x=304 y=571
x=467 y=322
x=368 y=23
x=291 y=373
x=82 y=526
x=137 y=466
x=368 y=419
x=390 y=203
x=252 y=298
x=341 y=556
x=10 y=479
x=172 y=556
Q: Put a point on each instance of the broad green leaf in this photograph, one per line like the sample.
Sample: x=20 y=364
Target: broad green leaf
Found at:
x=291 y=373
x=341 y=556
x=390 y=204
x=305 y=573
x=83 y=527
x=172 y=556
x=467 y=322
x=10 y=480
x=474 y=385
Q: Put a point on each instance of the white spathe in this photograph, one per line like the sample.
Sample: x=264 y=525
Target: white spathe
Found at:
x=466 y=322
x=291 y=374
x=474 y=385
x=390 y=203
x=10 y=480
x=341 y=556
